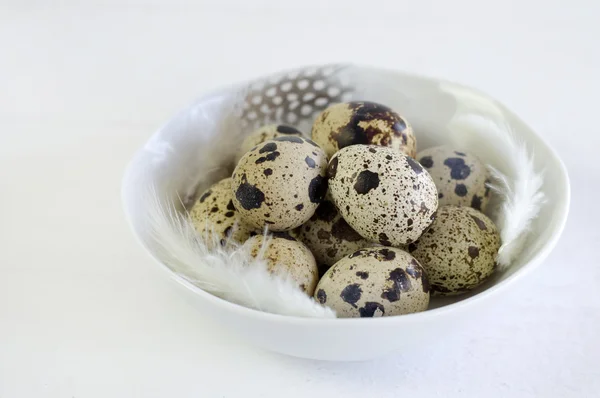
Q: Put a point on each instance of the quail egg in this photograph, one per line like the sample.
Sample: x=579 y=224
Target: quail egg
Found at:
x=366 y=123
x=280 y=183
x=329 y=236
x=286 y=256
x=266 y=133
x=214 y=212
x=373 y=282
x=460 y=177
x=384 y=195
x=458 y=250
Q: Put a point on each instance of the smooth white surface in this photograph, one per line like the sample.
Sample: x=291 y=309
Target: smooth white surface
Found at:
x=83 y=315
x=172 y=159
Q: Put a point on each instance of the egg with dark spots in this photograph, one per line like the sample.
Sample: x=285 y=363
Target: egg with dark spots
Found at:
x=461 y=178
x=214 y=211
x=266 y=133
x=280 y=183
x=384 y=195
x=374 y=282
x=329 y=236
x=366 y=123
x=286 y=256
x=459 y=249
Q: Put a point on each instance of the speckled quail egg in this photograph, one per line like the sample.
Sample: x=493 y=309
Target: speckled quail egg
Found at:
x=266 y=133
x=214 y=211
x=280 y=183
x=285 y=255
x=458 y=250
x=329 y=236
x=366 y=123
x=386 y=196
x=460 y=177
x=375 y=282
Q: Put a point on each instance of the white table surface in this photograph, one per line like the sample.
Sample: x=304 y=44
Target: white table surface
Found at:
x=84 y=312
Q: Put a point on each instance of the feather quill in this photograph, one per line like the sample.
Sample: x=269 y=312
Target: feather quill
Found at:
x=228 y=271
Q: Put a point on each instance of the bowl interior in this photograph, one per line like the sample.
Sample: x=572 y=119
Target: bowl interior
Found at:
x=197 y=147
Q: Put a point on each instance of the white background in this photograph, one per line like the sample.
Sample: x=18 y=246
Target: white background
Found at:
x=84 y=312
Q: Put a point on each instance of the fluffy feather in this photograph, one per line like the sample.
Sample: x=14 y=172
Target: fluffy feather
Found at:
x=217 y=163
x=229 y=271
x=516 y=181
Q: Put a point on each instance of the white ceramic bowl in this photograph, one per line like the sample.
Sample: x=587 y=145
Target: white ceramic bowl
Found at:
x=177 y=157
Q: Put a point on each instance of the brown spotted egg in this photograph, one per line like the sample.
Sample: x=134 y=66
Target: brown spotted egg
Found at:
x=329 y=236
x=460 y=177
x=280 y=183
x=214 y=211
x=386 y=196
x=366 y=123
x=266 y=133
x=286 y=256
x=458 y=250
x=373 y=282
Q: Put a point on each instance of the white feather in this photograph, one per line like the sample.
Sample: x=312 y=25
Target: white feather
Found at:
x=516 y=180
x=214 y=164
x=228 y=271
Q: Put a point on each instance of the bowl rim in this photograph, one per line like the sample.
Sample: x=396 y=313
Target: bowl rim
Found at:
x=562 y=209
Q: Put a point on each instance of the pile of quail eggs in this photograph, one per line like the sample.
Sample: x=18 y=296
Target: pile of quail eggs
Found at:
x=356 y=216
